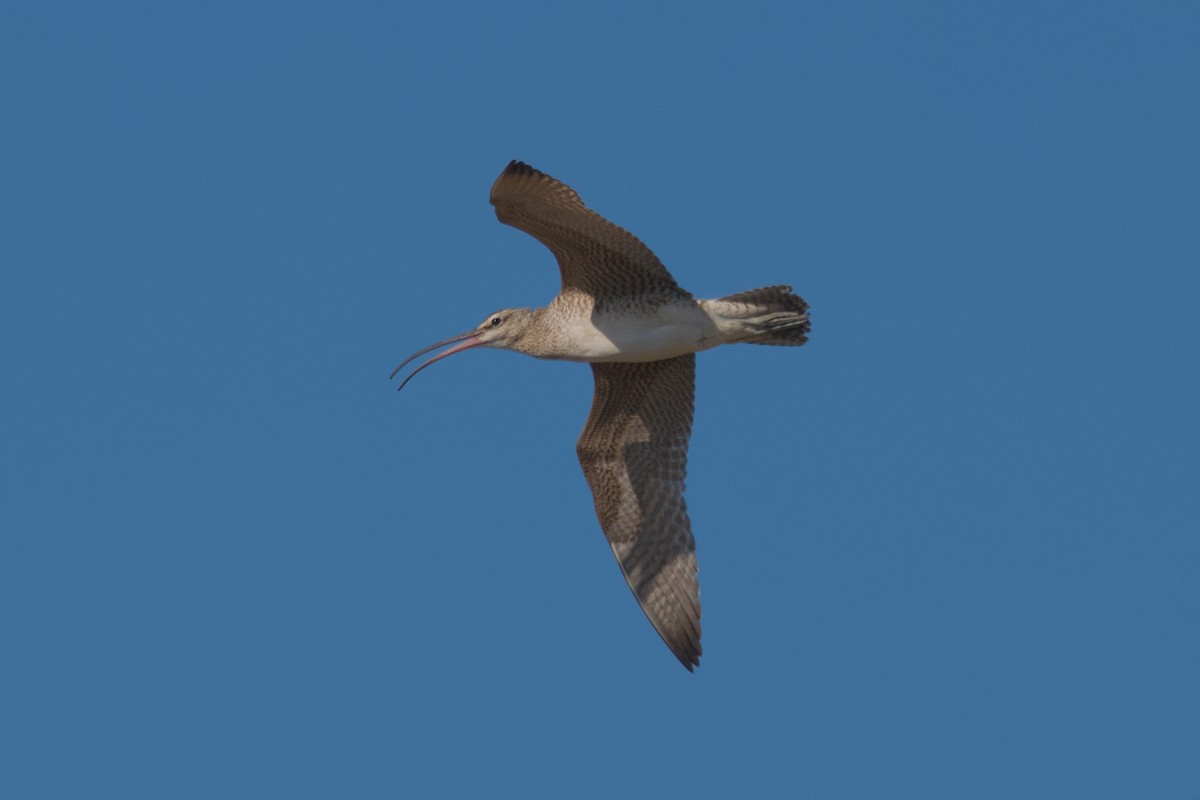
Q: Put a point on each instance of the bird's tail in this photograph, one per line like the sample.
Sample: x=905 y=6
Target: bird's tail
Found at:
x=771 y=315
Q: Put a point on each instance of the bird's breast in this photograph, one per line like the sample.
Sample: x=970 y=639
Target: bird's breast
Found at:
x=652 y=334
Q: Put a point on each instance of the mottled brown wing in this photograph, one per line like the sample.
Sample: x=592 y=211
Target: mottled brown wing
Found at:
x=594 y=256
x=634 y=455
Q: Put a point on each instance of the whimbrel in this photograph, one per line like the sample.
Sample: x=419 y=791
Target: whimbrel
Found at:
x=621 y=311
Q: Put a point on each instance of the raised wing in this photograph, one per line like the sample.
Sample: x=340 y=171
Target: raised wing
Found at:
x=594 y=256
x=634 y=455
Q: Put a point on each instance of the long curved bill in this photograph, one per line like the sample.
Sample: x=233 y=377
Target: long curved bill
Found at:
x=464 y=341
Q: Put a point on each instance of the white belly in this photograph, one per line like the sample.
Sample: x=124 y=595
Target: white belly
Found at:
x=669 y=331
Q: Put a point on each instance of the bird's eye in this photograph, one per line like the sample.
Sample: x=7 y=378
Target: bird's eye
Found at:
x=495 y=321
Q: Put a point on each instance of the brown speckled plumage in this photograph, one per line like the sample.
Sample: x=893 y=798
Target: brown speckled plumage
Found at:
x=634 y=453
x=596 y=257
x=620 y=309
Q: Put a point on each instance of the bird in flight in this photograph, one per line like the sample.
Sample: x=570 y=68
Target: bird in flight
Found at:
x=620 y=310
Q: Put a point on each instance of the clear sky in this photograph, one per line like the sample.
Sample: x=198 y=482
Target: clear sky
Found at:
x=948 y=549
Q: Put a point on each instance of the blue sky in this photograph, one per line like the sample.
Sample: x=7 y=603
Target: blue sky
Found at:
x=947 y=549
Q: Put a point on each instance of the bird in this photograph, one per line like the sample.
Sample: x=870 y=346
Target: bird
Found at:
x=621 y=311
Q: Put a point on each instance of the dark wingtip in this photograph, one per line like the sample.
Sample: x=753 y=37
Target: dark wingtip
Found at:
x=688 y=653
x=515 y=178
x=516 y=167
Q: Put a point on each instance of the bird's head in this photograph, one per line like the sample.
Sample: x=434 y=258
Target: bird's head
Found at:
x=504 y=329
